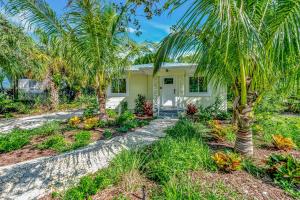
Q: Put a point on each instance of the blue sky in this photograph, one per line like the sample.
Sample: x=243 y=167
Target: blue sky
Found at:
x=152 y=30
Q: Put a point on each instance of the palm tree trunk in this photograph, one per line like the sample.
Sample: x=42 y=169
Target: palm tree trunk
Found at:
x=101 y=96
x=54 y=95
x=244 y=143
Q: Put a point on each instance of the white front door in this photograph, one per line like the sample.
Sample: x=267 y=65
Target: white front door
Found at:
x=167 y=91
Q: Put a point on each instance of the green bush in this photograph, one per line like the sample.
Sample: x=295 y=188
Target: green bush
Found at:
x=111 y=113
x=107 y=134
x=74 y=194
x=284 y=168
x=123 y=129
x=56 y=143
x=19 y=138
x=287 y=126
x=125 y=117
x=88 y=112
x=88 y=186
x=13 y=141
x=82 y=139
x=212 y=112
x=124 y=106
x=139 y=104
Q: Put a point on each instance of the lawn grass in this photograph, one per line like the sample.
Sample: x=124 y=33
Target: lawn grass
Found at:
x=288 y=126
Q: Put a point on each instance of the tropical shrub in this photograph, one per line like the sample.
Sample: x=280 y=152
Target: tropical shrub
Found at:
x=191 y=109
x=82 y=139
x=139 y=104
x=124 y=106
x=283 y=143
x=284 y=169
x=123 y=129
x=218 y=132
x=90 y=123
x=125 y=117
x=111 y=113
x=148 y=108
x=74 y=121
x=227 y=162
x=88 y=112
x=213 y=112
x=107 y=134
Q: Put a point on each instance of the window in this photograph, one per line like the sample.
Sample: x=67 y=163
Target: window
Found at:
x=168 y=81
x=197 y=85
x=119 y=86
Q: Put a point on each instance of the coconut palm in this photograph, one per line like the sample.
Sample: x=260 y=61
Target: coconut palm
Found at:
x=97 y=34
x=243 y=43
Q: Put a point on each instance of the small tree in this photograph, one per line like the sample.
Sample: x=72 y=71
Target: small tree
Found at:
x=250 y=45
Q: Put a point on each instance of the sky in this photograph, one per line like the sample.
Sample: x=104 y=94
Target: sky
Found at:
x=153 y=30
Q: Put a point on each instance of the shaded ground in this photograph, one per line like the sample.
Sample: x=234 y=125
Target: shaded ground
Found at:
x=6 y=125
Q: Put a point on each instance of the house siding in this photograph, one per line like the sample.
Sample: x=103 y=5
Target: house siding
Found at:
x=142 y=83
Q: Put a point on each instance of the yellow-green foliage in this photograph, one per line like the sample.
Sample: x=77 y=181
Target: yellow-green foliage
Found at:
x=74 y=121
x=218 y=131
x=90 y=123
x=283 y=143
x=227 y=161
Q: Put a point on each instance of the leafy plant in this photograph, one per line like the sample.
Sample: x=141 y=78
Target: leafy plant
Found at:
x=123 y=129
x=191 y=109
x=107 y=134
x=111 y=113
x=74 y=121
x=15 y=140
x=88 y=112
x=227 y=161
x=213 y=111
x=218 y=132
x=82 y=139
x=124 y=106
x=283 y=143
x=284 y=169
x=148 y=108
x=139 y=104
x=90 y=123
x=125 y=117
x=55 y=142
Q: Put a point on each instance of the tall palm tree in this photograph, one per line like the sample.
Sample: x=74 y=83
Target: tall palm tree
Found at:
x=97 y=34
x=244 y=43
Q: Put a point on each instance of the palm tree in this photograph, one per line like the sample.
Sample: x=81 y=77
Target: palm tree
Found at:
x=249 y=41
x=15 y=46
x=50 y=56
x=96 y=32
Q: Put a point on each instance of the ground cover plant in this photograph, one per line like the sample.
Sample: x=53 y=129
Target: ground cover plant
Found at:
x=58 y=137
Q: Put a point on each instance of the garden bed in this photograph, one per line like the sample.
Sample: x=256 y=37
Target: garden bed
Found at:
x=56 y=137
x=183 y=166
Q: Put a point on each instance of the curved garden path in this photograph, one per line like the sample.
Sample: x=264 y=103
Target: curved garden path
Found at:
x=6 y=125
x=35 y=178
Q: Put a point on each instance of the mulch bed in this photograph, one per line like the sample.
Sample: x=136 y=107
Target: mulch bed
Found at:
x=243 y=183
x=30 y=151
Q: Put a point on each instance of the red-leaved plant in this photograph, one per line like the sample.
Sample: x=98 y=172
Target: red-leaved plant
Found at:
x=148 y=108
x=191 y=109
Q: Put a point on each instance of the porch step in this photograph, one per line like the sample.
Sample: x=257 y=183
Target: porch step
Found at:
x=169 y=113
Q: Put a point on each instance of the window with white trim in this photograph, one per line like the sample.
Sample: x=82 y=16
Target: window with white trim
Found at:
x=197 y=85
x=119 y=86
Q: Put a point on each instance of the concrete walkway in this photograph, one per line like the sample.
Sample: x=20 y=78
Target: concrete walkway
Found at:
x=35 y=178
x=6 y=125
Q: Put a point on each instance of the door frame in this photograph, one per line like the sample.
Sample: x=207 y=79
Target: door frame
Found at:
x=161 y=85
